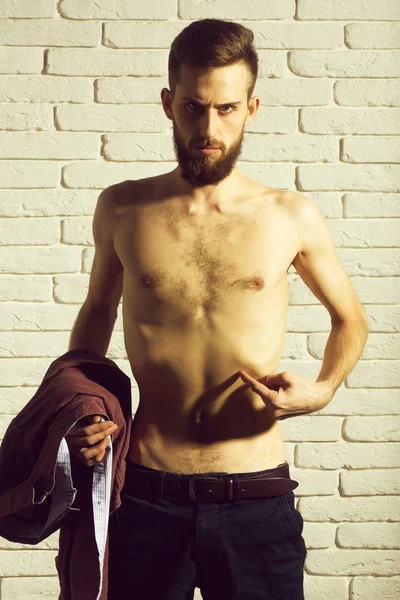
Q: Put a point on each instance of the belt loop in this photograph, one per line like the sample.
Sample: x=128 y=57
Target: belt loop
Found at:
x=191 y=487
x=236 y=487
x=161 y=487
x=229 y=487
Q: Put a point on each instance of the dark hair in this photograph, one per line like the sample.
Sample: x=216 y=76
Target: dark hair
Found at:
x=211 y=43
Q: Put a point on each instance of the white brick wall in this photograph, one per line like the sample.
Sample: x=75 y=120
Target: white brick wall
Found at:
x=73 y=120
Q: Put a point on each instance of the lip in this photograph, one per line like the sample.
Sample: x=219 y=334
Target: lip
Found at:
x=207 y=151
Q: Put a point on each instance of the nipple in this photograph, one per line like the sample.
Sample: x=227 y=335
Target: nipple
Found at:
x=257 y=282
x=147 y=280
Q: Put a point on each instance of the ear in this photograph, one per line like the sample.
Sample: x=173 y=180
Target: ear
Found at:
x=166 y=99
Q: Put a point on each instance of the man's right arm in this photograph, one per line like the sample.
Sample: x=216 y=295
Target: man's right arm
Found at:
x=94 y=324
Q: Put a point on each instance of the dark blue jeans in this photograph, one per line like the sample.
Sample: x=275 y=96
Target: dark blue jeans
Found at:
x=247 y=549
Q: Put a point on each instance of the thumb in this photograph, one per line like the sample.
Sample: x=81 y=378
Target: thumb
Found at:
x=94 y=418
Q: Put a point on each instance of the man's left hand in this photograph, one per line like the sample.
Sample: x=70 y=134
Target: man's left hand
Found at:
x=289 y=394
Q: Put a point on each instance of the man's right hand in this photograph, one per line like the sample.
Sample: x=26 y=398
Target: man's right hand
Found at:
x=89 y=438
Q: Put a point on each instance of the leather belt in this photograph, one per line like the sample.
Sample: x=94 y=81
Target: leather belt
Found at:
x=148 y=485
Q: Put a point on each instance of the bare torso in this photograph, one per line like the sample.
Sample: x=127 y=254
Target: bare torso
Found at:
x=204 y=295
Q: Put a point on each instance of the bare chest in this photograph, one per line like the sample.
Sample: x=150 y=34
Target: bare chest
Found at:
x=204 y=257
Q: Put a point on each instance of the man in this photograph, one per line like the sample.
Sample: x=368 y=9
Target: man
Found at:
x=201 y=256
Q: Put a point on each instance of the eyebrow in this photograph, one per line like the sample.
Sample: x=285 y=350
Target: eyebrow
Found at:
x=217 y=105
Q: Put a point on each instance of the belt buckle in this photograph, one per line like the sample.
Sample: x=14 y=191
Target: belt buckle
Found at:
x=228 y=482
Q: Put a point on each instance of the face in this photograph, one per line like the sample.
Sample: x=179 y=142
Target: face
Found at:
x=209 y=110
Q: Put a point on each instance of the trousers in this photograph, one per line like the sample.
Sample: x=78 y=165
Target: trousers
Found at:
x=163 y=545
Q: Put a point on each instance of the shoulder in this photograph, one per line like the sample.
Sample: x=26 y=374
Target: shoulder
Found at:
x=303 y=211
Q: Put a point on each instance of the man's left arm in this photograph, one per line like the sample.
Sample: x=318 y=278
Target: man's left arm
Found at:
x=319 y=267
x=289 y=394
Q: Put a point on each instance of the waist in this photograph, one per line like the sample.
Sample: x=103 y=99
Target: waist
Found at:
x=154 y=484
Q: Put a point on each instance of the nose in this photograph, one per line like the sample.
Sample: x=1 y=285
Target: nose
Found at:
x=208 y=124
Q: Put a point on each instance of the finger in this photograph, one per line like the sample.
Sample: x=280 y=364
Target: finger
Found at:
x=97 y=428
x=90 y=440
x=93 y=451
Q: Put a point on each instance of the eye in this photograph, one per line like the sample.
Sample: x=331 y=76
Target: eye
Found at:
x=197 y=107
x=227 y=106
x=191 y=104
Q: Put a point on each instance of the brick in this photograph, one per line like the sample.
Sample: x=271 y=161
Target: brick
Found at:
x=218 y=9
x=304 y=429
x=36 y=32
x=27 y=174
x=372 y=262
x=57 y=146
x=340 y=562
x=366 y=233
x=368 y=92
x=30 y=344
x=386 y=10
x=373 y=149
x=41 y=317
x=21 y=60
x=47 y=203
x=369 y=535
x=377 y=373
x=371 y=205
x=139 y=146
x=279 y=119
x=343 y=455
x=93 y=63
x=370 y=290
x=278 y=175
x=25 y=116
x=368 y=482
x=272 y=64
x=27 y=562
x=372 y=35
x=293 y=91
x=360 y=401
x=110 y=117
x=296 y=35
x=129 y=90
x=376 y=587
x=373 y=429
x=304 y=319
x=12 y=400
x=22 y=372
x=25 y=288
x=344 y=63
x=15 y=316
x=293 y=148
x=103 y=174
x=5 y=421
x=25 y=259
x=123 y=9
x=20 y=9
x=350 y=120
x=39 y=88
x=382 y=318
x=71 y=289
x=19 y=232
x=50 y=543
x=349 y=177
x=294 y=346
x=32 y=588
x=77 y=231
x=142 y=34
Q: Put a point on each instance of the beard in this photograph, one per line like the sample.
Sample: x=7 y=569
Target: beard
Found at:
x=200 y=171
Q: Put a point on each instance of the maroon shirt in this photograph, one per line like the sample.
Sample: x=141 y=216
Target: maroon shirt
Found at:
x=43 y=489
